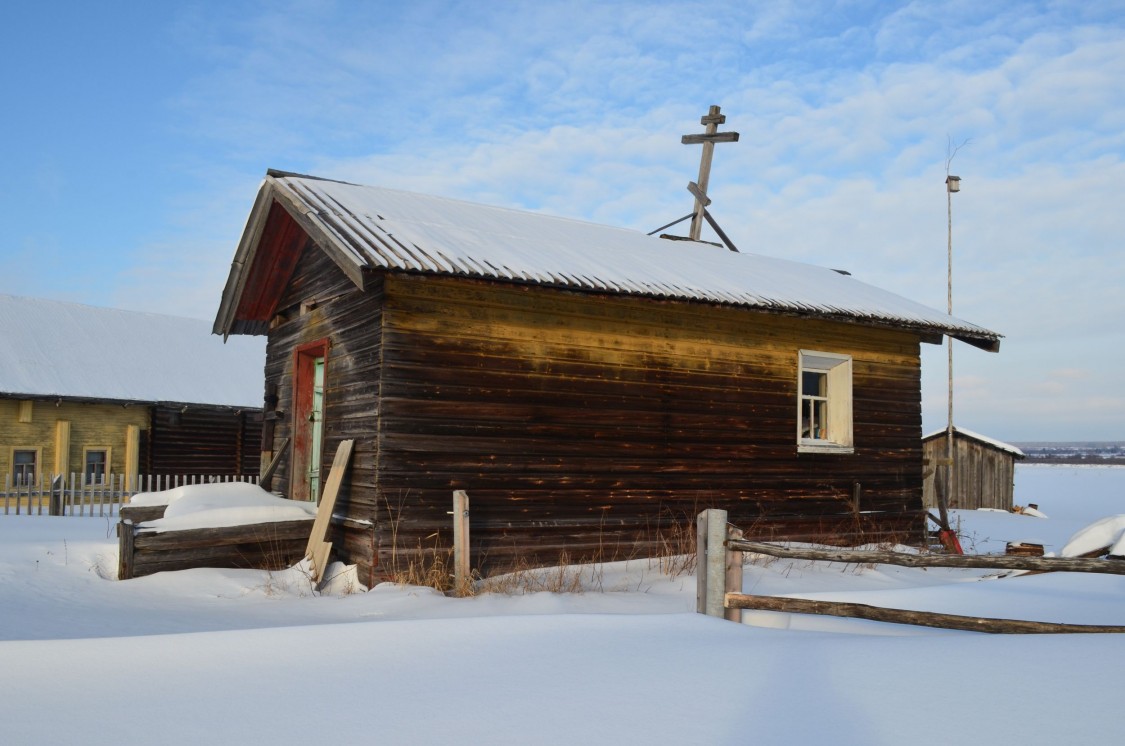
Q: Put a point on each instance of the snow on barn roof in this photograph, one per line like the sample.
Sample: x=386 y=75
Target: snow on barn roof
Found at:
x=1008 y=447
x=366 y=227
x=75 y=351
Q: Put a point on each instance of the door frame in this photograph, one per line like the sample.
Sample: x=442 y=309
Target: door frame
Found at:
x=304 y=367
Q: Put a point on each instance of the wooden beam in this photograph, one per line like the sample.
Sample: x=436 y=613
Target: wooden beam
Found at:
x=733 y=575
x=461 y=569
x=717 y=137
x=904 y=616
x=711 y=562
x=124 y=549
x=267 y=472
x=715 y=226
x=318 y=547
x=998 y=562
x=698 y=194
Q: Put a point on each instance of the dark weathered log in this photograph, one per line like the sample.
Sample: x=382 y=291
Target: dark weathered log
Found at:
x=1041 y=564
x=124 y=550
x=142 y=513
x=265 y=546
x=222 y=536
x=267 y=556
x=903 y=616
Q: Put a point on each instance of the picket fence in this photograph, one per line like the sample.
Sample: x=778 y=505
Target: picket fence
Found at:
x=76 y=496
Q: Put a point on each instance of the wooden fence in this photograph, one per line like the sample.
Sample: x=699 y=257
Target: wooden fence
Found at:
x=76 y=496
x=719 y=593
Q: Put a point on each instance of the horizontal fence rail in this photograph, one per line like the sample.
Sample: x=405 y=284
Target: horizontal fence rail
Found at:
x=720 y=547
x=77 y=496
x=980 y=562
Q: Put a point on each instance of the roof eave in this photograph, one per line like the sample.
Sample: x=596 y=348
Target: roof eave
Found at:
x=271 y=191
x=243 y=260
x=988 y=344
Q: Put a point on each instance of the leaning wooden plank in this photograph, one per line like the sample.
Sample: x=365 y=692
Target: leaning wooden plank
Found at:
x=268 y=471
x=318 y=546
x=998 y=562
x=903 y=616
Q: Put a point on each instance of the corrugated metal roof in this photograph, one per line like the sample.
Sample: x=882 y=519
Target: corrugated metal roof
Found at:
x=61 y=349
x=375 y=227
x=999 y=444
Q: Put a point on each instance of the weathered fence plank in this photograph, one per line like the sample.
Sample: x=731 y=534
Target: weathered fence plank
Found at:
x=461 y=570
x=734 y=600
x=904 y=616
x=711 y=569
x=1006 y=562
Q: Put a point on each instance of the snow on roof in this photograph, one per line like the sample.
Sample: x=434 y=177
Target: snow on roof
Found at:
x=52 y=348
x=980 y=438
x=373 y=227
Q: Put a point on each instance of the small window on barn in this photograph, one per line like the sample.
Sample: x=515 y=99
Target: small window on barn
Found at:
x=824 y=396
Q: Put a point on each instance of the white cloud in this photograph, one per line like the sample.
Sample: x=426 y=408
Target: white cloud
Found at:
x=844 y=111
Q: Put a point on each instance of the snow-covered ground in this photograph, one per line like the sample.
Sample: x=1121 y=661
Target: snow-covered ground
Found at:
x=230 y=655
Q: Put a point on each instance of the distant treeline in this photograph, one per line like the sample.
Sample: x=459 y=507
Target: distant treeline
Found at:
x=1075 y=458
x=1075 y=453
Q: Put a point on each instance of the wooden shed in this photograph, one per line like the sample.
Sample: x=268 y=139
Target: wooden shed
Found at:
x=87 y=393
x=984 y=470
x=590 y=387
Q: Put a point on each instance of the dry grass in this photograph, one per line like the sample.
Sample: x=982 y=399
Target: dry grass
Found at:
x=672 y=553
x=431 y=565
x=565 y=577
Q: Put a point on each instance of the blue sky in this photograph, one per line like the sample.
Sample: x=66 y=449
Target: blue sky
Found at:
x=135 y=135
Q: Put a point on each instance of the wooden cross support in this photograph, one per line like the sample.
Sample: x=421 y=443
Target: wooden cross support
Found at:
x=711 y=135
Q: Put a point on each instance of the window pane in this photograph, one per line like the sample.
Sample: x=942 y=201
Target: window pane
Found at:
x=814 y=383
x=24 y=467
x=821 y=430
x=95 y=466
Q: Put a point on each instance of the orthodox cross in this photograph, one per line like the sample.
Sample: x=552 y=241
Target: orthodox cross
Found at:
x=710 y=136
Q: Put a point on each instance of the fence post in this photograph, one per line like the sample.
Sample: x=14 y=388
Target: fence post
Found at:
x=57 y=483
x=733 y=582
x=125 y=549
x=711 y=570
x=460 y=543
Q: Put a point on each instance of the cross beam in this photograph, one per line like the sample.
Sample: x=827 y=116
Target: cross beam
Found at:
x=710 y=136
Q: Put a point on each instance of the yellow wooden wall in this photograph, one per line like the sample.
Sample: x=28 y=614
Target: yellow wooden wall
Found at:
x=91 y=426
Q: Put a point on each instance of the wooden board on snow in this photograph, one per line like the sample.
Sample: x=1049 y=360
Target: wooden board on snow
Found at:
x=318 y=548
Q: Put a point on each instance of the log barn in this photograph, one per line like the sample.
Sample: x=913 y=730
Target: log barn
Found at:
x=590 y=387
x=984 y=470
x=87 y=393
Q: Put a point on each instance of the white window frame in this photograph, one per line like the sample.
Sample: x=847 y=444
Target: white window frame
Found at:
x=839 y=437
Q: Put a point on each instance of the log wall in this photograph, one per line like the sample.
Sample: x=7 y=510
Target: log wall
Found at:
x=984 y=478
x=203 y=441
x=594 y=425
x=321 y=303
